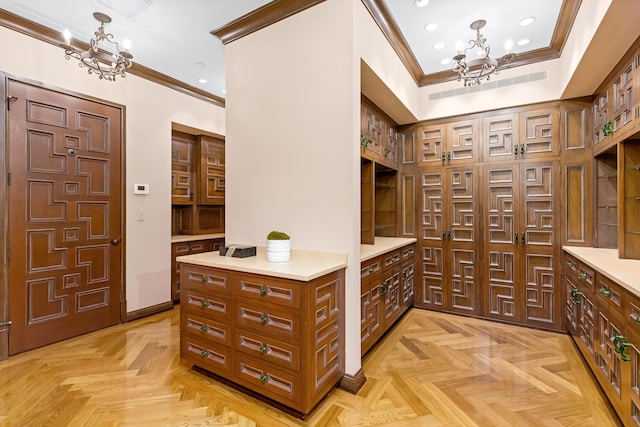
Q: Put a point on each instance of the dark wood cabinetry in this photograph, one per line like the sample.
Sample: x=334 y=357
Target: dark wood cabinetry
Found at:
x=387 y=291
x=629 y=199
x=280 y=338
x=189 y=247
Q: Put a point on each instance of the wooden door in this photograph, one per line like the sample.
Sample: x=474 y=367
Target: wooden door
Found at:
x=211 y=173
x=540 y=136
x=463 y=143
x=539 y=242
x=432 y=144
x=65 y=203
x=182 y=168
x=502 y=293
x=500 y=135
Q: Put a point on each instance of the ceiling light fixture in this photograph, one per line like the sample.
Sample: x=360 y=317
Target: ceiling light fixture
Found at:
x=104 y=56
x=421 y=3
x=475 y=70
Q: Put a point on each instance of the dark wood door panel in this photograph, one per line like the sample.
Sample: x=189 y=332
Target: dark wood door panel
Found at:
x=64 y=215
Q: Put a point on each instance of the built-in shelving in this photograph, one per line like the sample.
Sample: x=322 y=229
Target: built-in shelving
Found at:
x=607 y=199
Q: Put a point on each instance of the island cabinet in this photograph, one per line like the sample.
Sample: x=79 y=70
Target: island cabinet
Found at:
x=602 y=313
x=279 y=338
x=387 y=287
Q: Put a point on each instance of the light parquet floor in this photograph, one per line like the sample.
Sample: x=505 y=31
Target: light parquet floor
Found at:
x=432 y=369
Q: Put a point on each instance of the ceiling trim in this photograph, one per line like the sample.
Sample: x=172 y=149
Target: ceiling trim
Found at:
x=260 y=18
x=45 y=34
x=384 y=19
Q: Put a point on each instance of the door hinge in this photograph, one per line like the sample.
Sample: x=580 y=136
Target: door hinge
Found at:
x=8 y=325
x=9 y=99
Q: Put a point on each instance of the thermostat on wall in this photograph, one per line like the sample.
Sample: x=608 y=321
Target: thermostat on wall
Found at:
x=140 y=188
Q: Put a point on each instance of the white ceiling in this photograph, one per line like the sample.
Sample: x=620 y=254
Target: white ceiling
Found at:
x=173 y=37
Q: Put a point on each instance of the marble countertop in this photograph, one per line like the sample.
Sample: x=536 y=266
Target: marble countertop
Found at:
x=304 y=265
x=625 y=272
x=179 y=238
x=383 y=245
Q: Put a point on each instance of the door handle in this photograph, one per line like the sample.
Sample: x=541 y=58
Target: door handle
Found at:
x=115 y=242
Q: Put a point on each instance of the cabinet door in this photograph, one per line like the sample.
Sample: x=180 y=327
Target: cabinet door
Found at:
x=572 y=305
x=600 y=117
x=463 y=142
x=431 y=144
x=540 y=136
x=632 y=409
x=609 y=359
x=373 y=130
x=624 y=103
x=211 y=171
x=500 y=136
x=371 y=312
x=182 y=168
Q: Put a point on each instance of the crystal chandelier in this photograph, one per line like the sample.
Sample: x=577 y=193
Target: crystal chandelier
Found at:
x=474 y=70
x=104 y=56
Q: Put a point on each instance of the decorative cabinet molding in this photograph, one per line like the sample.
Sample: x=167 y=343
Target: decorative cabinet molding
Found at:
x=448 y=143
x=280 y=338
x=379 y=140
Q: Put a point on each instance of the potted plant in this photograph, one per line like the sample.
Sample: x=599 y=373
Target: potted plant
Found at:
x=278 y=246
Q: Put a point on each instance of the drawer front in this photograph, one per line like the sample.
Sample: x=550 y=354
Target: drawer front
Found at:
x=391 y=259
x=610 y=293
x=270 y=291
x=370 y=267
x=206 y=329
x=571 y=264
x=210 y=356
x=408 y=252
x=267 y=319
x=207 y=280
x=211 y=307
x=587 y=276
x=269 y=381
x=268 y=349
x=632 y=312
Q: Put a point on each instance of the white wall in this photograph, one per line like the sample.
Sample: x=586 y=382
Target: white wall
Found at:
x=150 y=109
x=292 y=156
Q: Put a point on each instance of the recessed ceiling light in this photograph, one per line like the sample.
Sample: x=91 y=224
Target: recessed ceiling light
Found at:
x=527 y=21
x=203 y=81
x=438 y=46
x=430 y=27
x=421 y=3
x=523 y=42
x=445 y=61
x=224 y=91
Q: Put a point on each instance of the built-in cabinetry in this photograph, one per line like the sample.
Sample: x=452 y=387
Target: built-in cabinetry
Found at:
x=197 y=191
x=188 y=245
x=490 y=197
x=629 y=199
x=279 y=337
x=387 y=288
x=602 y=313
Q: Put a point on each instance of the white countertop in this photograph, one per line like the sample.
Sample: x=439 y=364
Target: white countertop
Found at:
x=303 y=266
x=625 y=272
x=179 y=238
x=383 y=245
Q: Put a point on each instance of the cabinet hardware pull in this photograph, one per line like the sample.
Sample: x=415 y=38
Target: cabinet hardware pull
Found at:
x=383 y=288
x=371 y=270
x=203 y=279
x=516 y=233
x=203 y=353
x=204 y=303
x=263 y=348
x=203 y=329
x=575 y=295
x=263 y=320
x=605 y=292
x=263 y=378
x=522 y=235
x=444 y=234
x=569 y=264
x=443 y=155
x=521 y=148
x=263 y=291
x=515 y=149
x=448 y=155
x=620 y=345
x=449 y=234
x=582 y=275
x=637 y=319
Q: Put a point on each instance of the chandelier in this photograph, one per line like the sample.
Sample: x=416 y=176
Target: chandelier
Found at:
x=104 y=56
x=474 y=70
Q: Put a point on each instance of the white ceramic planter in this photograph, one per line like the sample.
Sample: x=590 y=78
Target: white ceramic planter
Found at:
x=278 y=250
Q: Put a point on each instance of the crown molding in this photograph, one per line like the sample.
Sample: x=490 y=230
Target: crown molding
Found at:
x=387 y=24
x=260 y=18
x=47 y=35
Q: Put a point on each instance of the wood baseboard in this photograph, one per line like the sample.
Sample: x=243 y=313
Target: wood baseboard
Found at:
x=148 y=311
x=353 y=383
x=4 y=344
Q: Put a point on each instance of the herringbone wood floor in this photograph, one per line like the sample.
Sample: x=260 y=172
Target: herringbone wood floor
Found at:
x=433 y=369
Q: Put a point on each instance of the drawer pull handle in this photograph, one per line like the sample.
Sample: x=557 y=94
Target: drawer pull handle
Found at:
x=620 y=345
x=263 y=320
x=263 y=378
x=522 y=235
x=204 y=279
x=203 y=303
x=605 y=292
x=371 y=270
x=263 y=291
x=637 y=319
x=583 y=275
x=384 y=288
x=569 y=264
x=263 y=349
x=575 y=295
x=203 y=353
x=203 y=329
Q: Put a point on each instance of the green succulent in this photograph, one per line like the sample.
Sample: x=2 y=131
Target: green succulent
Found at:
x=278 y=235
